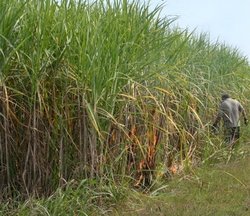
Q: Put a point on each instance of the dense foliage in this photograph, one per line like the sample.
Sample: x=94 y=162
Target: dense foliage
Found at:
x=106 y=91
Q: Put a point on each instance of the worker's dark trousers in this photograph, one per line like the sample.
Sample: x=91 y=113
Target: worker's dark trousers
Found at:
x=232 y=134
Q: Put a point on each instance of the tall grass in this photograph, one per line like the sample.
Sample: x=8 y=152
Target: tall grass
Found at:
x=105 y=91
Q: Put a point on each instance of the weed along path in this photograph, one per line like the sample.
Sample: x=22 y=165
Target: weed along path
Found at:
x=218 y=189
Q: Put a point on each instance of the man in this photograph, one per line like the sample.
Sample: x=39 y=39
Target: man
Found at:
x=230 y=111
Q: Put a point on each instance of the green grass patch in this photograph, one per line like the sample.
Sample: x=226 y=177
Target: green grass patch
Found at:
x=218 y=189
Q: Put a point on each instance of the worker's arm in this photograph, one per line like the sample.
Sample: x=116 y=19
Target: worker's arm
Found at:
x=217 y=120
x=245 y=116
x=242 y=110
x=214 y=127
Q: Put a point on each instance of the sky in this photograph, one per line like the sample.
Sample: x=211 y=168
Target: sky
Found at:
x=224 y=20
